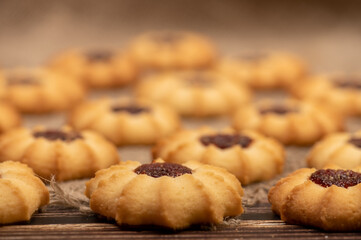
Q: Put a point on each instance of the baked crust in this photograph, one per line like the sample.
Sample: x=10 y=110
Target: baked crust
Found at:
x=39 y=90
x=336 y=149
x=322 y=89
x=172 y=50
x=195 y=93
x=264 y=71
x=261 y=160
x=21 y=192
x=114 y=69
x=9 y=117
x=66 y=159
x=306 y=123
x=124 y=128
x=205 y=196
x=298 y=200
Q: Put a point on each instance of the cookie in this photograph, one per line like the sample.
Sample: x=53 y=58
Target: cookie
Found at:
x=96 y=68
x=342 y=149
x=165 y=194
x=39 y=90
x=341 y=92
x=172 y=50
x=328 y=199
x=63 y=153
x=248 y=155
x=195 y=93
x=125 y=121
x=22 y=193
x=9 y=117
x=264 y=70
x=289 y=121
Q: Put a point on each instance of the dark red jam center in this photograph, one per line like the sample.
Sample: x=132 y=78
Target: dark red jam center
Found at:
x=17 y=80
x=226 y=140
x=54 y=135
x=340 y=178
x=133 y=109
x=351 y=82
x=277 y=109
x=167 y=38
x=99 y=56
x=355 y=141
x=157 y=170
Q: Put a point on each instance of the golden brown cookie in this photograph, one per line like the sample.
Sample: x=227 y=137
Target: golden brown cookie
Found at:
x=165 y=194
x=125 y=121
x=172 y=50
x=341 y=92
x=328 y=198
x=342 y=149
x=97 y=68
x=65 y=153
x=21 y=193
x=195 y=93
x=289 y=121
x=248 y=155
x=264 y=70
x=9 y=117
x=39 y=90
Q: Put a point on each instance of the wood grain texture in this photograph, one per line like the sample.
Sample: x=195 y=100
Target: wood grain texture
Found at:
x=257 y=222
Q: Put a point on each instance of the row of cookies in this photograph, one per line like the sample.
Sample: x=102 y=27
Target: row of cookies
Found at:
x=212 y=139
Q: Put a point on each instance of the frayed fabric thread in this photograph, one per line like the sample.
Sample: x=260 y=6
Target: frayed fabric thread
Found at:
x=70 y=194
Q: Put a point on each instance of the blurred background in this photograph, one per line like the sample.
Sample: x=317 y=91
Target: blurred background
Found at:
x=325 y=33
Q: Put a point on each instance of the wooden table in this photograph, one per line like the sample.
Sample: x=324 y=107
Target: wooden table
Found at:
x=66 y=223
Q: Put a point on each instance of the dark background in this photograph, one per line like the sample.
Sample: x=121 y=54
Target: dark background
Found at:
x=326 y=33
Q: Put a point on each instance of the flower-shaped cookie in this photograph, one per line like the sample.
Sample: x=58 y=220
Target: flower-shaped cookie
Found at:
x=248 y=155
x=327 y=198
x=165 y=194
x=125 y=121
x=21 y=193
x=195 y=93
x=65 y=153
x=289 y=121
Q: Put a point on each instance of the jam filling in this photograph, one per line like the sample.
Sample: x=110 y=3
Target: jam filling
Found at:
x=167 y=38
x=17 y=80
x=340 y=178
x=223 y=141
x=157 y=170
x=130 y=109
x=349 y=82
x=54 y=135
x=355 y=141
x=277 y=109
x=99 y=56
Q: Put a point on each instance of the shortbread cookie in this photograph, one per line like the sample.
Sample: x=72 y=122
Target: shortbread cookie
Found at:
x=341 y=92
x=328 y=199
x=342 y=149
x=39 y=90
x=165 y=194
x=9 y=117
x=125 y=121
x=248 y=155
x=264 y=70
x=21 y=193
x=172 y=50
x=195 y=93
x=97 y=68
x=63 y=153
x=289 y=121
